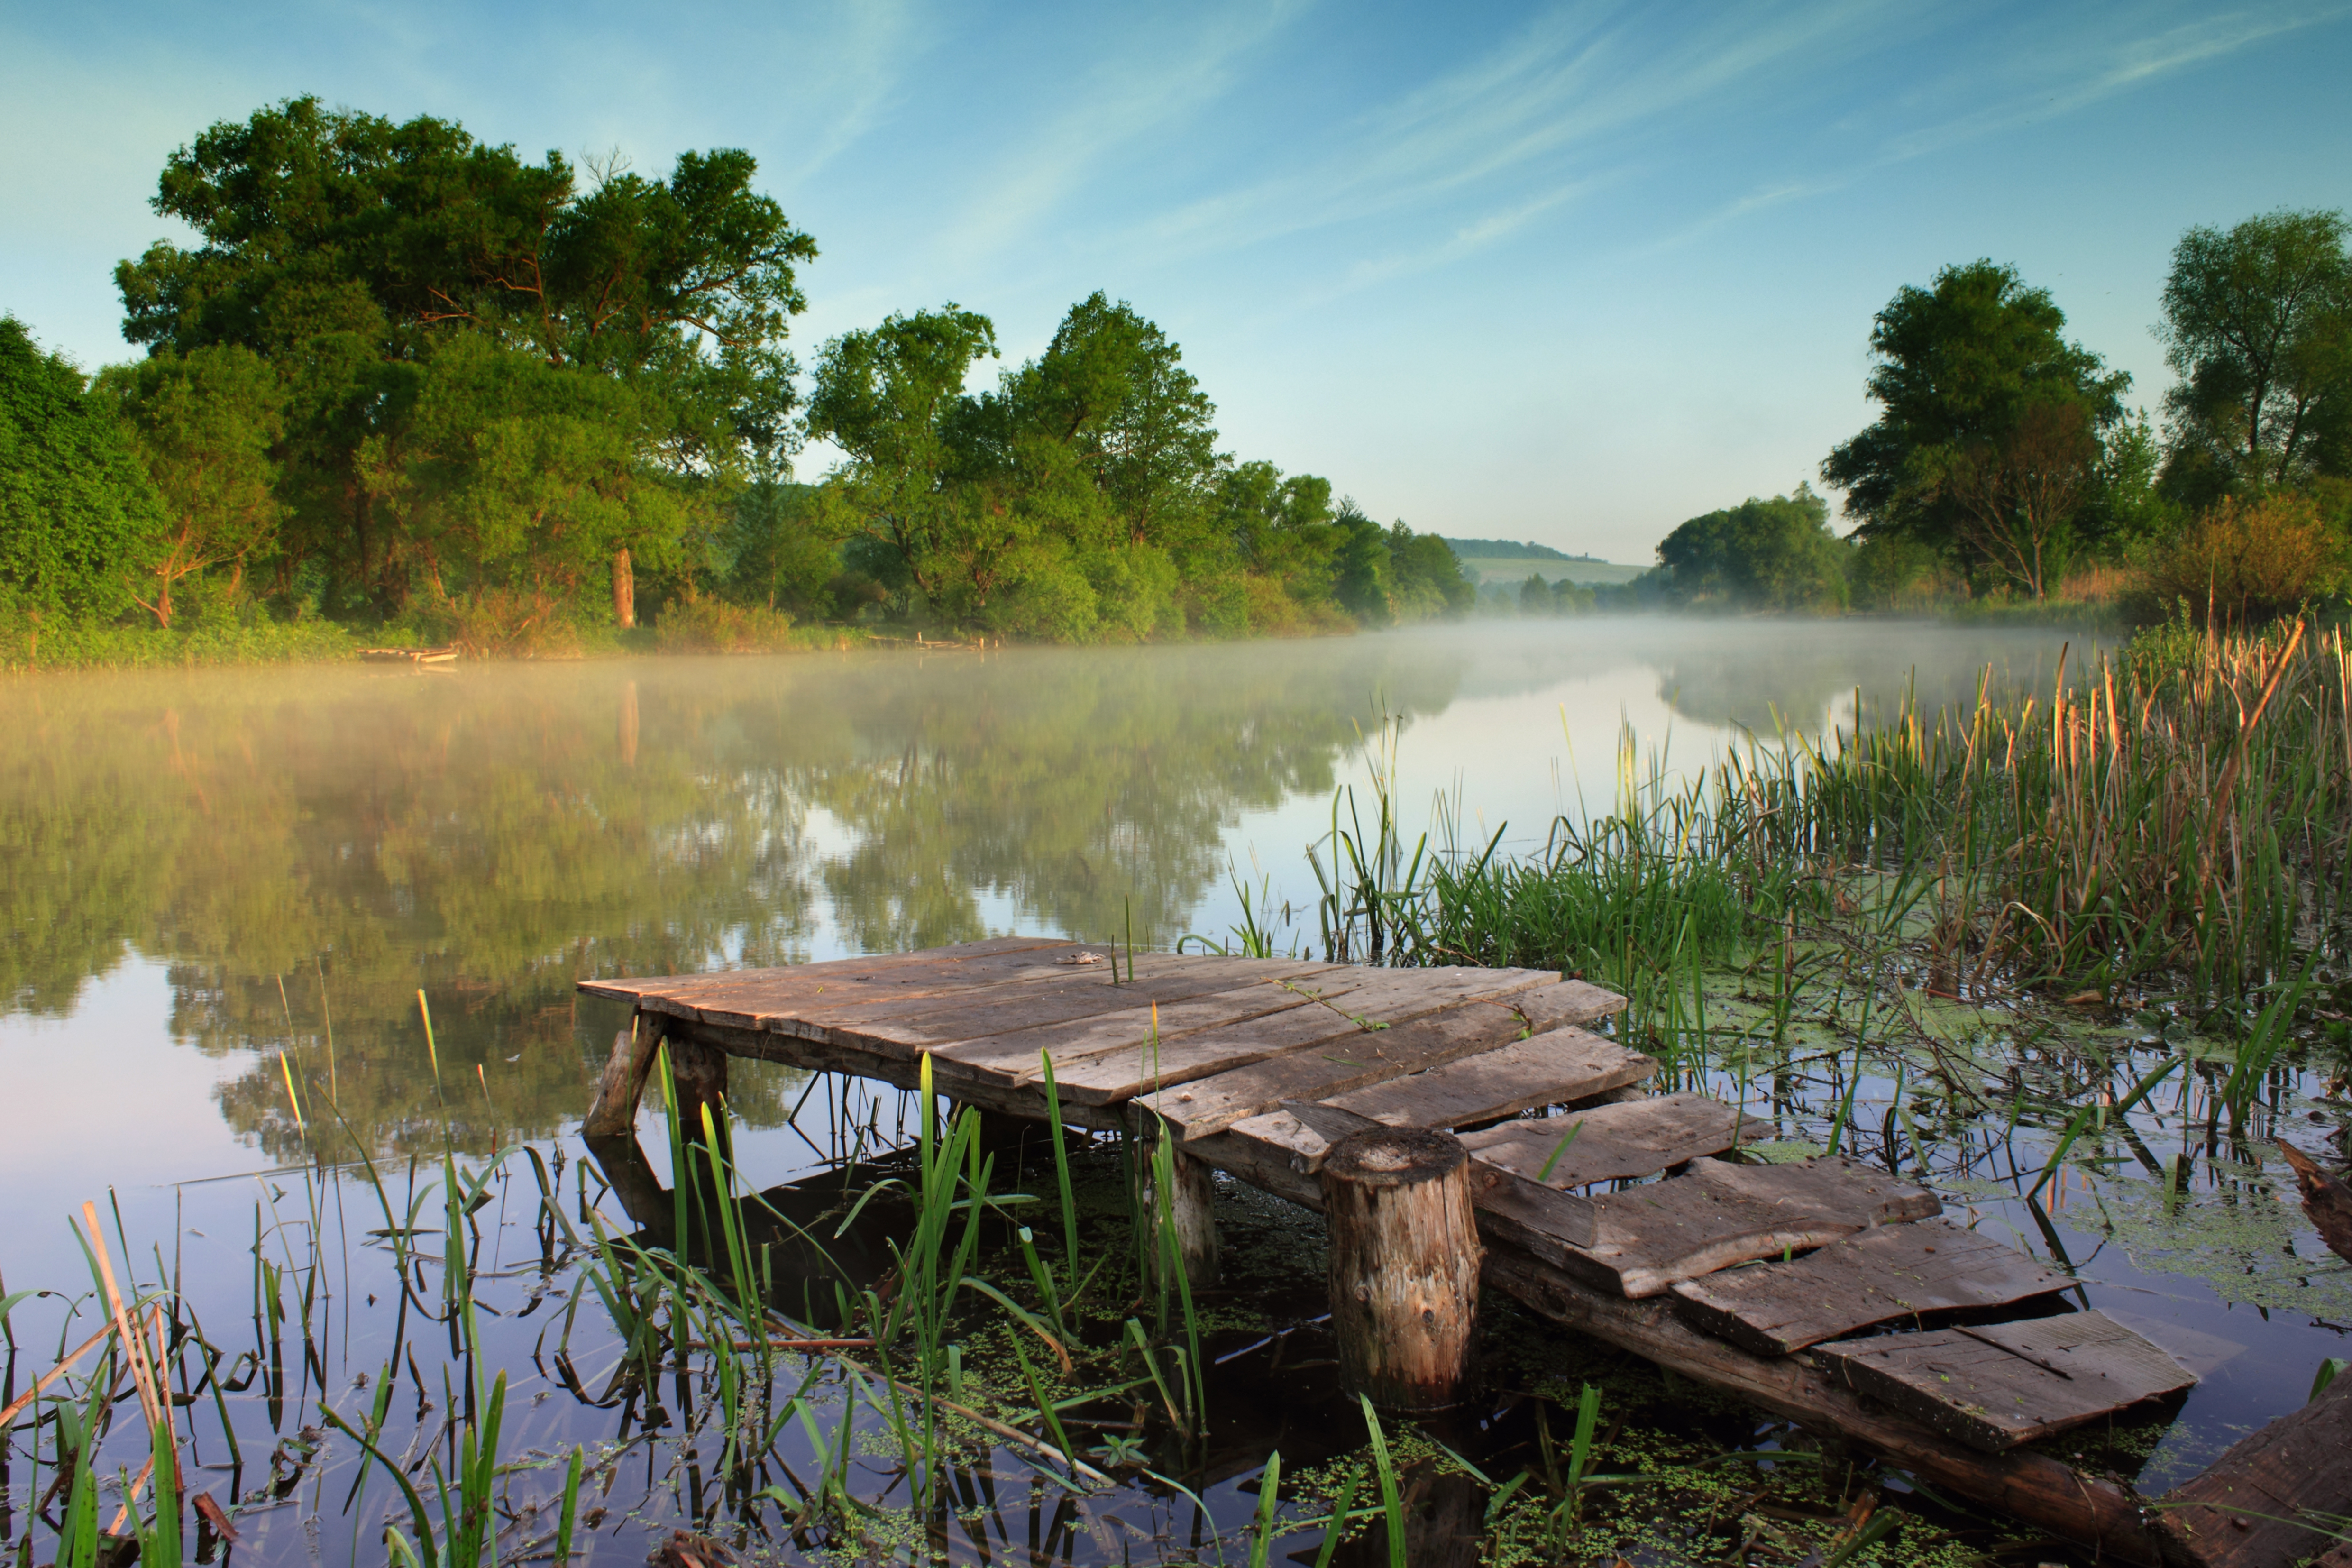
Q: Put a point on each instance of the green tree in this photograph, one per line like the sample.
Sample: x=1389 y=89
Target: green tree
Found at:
x=892 y=400
x=2258 y=322
x=203 y=425
x=78 y=516
x=350 y=251
x=1776 y=554
x=1425 y=577
x=1990 y=426
x=1359 y=580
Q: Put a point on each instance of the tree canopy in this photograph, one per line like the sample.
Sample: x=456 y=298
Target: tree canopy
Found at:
x=1776 y=554
x=78 y=517
x=1989 y=439
x=2258 y=322
x=492 y=376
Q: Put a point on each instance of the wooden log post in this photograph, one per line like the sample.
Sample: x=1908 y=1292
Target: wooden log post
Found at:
x=1190 y=1211
x=614 y=1112
x=1404 y=1266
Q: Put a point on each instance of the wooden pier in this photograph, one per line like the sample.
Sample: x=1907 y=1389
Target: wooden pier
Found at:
x=1824 y=1291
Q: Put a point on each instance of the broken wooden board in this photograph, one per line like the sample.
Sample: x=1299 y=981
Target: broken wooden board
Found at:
x=1545 y=1069
x=1383 y=998
x=2028 y=1484
x=1571 y=1002
x=1611 y=1142
x=2254 y=1506
x=1015 y=1056
x=1889 y=1272
x=1211 y=1105
x=1652 y=1237
x=1996 y=1386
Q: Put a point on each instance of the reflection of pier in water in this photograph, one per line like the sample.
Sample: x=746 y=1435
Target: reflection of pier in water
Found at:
x=1822 y=1290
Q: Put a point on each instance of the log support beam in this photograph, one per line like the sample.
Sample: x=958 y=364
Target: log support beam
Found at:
x=1404 y=1262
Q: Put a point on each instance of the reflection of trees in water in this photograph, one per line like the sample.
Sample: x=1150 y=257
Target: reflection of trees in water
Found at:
x=494 y=837
x=1793 y=675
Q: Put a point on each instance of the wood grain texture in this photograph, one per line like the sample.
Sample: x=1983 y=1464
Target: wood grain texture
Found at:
x=1349 y=1061
x=1385 y=997
x=1569 y=1003
x=1403 y=1266
x=1998 y=1387
x=1014 y=1057
x=790 y=978
x=1879 y=1276
x=1652 y=1237
x=2252 y=1507
x=2042 y=1491
x=1611 y=1142
x=1550 y=1068
x=623 y=1082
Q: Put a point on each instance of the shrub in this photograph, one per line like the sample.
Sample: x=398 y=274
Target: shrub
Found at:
x=2243 y=562
x=696 y=622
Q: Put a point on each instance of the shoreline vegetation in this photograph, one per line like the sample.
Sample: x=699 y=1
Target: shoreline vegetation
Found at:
x=415 y=386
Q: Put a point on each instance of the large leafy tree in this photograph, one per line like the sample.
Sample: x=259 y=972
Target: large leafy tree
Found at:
x=2258 y=322
x=78 y=516
x=1988 y=440
x=891 y=399
x=351 y=251
x=203 y=424
x=1776 y=554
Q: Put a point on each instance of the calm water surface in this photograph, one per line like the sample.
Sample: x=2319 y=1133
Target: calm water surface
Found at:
x=208 y=872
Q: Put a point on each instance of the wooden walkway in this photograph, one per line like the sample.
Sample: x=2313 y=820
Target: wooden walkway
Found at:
x=1823 y=1291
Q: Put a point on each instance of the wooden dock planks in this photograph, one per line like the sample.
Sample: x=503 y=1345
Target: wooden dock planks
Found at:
x=1219 y=1045
x=1360 y=1059
x=1610 y=1143
x=2275 y=1497
x=2003 y=1385
x=1652 y=1237
x=1884 y=1274
x=1382 y=998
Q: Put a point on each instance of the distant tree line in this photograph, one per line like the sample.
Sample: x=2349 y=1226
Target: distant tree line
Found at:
x=406 y=379
x=2004 y=457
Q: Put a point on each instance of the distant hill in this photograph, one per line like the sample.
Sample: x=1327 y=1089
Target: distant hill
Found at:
x=1504 y=550
x=1500 y=561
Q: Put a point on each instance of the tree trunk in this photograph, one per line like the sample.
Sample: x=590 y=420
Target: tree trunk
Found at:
x=625 y=589
x=1403 y=1266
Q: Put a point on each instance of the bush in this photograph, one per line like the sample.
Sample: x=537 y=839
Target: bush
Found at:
x=696 y=622
x=2243 y=562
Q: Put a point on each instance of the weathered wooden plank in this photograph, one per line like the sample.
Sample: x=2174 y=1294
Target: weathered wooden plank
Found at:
x=1352 y=1061
x=1652 y=1237
x=2031 y=1486
x=1998 y=1387
x=1569 y=1003
x=937 y=1023
x=1384 y=997
x=1013 y=1056
x=819 y=1056
x=750 y=998
x=630 y=988
x=1205 y=1107
x=1546 y=1069
x=1881 y=1275
x=1611 y=1142
x=1273 y=1151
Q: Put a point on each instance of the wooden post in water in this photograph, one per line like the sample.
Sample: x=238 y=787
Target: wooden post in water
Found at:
x=614 y=1112
x=1404 y=1266
x=1196 y=1219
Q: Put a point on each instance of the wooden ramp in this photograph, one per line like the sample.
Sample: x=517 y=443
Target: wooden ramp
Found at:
x=1825 y=1290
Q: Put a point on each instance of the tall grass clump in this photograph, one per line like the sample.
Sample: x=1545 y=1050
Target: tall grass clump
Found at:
x=2180 y=810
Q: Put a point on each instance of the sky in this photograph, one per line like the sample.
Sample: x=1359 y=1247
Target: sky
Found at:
x=1570 y=273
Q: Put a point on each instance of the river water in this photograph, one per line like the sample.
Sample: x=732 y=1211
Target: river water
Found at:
x=206 y=872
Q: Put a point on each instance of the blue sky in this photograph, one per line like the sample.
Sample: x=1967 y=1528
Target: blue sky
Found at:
x=1565 y=272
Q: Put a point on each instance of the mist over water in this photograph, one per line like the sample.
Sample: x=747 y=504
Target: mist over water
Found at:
x=202 y=868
